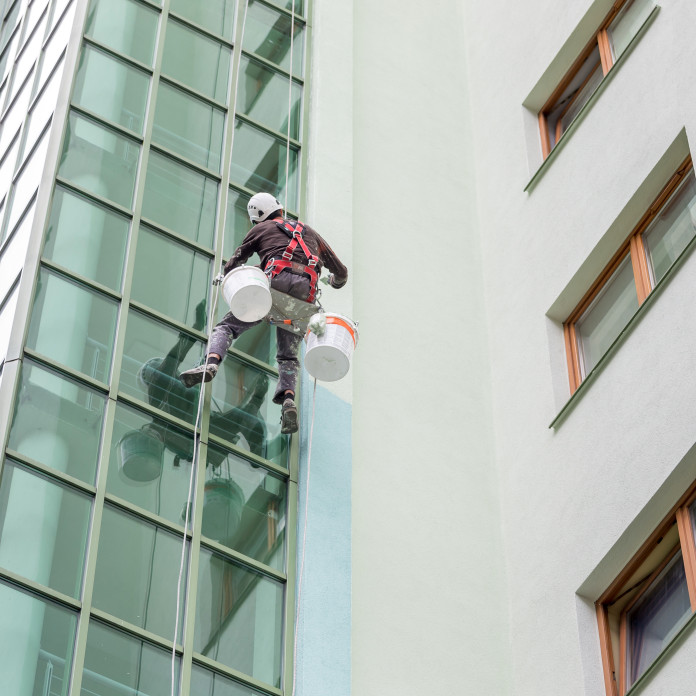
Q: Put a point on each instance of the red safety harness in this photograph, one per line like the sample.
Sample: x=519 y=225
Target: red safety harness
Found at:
x=275 y=266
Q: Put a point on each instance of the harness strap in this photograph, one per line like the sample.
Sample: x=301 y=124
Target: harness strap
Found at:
x=275 y=266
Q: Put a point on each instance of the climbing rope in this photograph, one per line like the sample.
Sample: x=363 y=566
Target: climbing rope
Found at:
x=287 y=139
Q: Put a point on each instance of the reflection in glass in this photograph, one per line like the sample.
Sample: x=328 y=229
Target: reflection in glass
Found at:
x=606 y=317
x=627 y=23
x=210 y=683
x=117 y=664
x=37 y=646
x=672 y=229
x=57 y=422
x=217 y=16
x=236 y=222
x=239 y=618
x=137 y=568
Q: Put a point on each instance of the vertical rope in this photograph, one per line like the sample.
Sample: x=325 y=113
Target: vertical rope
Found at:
x=287 y=140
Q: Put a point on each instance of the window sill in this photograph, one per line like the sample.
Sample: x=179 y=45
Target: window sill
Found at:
x=543 y=167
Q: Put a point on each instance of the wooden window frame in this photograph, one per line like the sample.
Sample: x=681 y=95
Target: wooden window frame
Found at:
x=641 y=273
x=615 y=685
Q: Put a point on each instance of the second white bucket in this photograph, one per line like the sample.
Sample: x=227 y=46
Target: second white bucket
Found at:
x=247 y=292
x=328 y=356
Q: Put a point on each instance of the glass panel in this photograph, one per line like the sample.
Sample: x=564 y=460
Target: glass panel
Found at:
x=243 y=413
x=180 y=199
x=236 y=222
x=86 y=238
x=196 y=60
x=14 y=254
x=672 y=229
x=217 y=16
x=14 y=117
x=154 y=355
x=171 y=278
x=188 y=126
x=606 y=317
x=258 y=342
x=43 y=532
x=137 y=569
x=7 y=313
x=26 y=61
x=53 y=50
x=657 y=617
x=239 y=618
x=7 y=166
x=34 y=14
x=258 y=162
x=263 y=95
x=127 y=26
x=267 y=33
x=37 y=642
x=99 y=160
x=212 y=684
x=149 y=464
x=627 y=23
x=111 y=89
x=244 y=507
x=42 y=110
x=58 y=9
x=117 y=664
x=57 y=422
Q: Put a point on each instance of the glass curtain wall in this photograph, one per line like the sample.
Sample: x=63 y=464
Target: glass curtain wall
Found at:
x=179 y=112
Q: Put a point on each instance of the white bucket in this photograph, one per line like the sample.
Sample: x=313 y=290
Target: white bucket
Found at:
x=246 y=291
x=328 y=356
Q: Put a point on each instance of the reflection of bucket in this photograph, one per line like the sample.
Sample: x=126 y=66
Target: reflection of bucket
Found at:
x=222 y=509
x=328 y=356
x=246 y=291
x=140 y=456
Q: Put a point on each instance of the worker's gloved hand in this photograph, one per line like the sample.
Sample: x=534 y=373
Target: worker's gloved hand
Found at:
x=199 y=324
x=317 y=324
x=327 y=280
x=227 y=267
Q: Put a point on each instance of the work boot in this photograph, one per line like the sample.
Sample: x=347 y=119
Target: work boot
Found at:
x=288 y=417
x=196 y=375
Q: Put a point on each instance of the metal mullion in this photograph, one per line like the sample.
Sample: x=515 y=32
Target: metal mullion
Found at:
x=298 y=18
x=202 y=30
x=244 y=560
x=252 y=361
x=6 y=241
x=37 y=95
x=180 y=159
x=145 y=407
x=26 y=39
x=20 y=45
x=144 y=514
x=132 y=62
x=173 y=323
x=191 y=91
x=136 y=631
x=27 y=79
x=44 y=360
x=100 y=120
x=47 y=263
x=40 y=590
x=24 y=160
x=247 y=455
x=289 y=606
x=50 y=472
x=178 y=237
x=52 y=30
x=243 y=679
x=111 y=205
x=270 y=131
x=274 y=67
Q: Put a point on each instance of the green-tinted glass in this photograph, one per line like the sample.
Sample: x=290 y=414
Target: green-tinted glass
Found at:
x=673 y=228
x=37 y=646
x=210 y=683
x=237 y=607
x=86 y=238
x=44 y=529
x=263 y=95
x=111 y=89
x=137 y=567
x=181 y=199
x=217 y=16
x=153 y=356
x=267 y=33
x=258 y=342
x=99 y=160
x=171 y=278
x=259 y=161
x=196 y=60
x=244 y=507
x=73 y=325
x=57 y=422
x=117 y=664
x=236 y=222
x=150 y=463
x=188 y=126
x=124 y=25
x=243 y=413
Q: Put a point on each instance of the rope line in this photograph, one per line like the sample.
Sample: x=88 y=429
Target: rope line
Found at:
x=287 y=141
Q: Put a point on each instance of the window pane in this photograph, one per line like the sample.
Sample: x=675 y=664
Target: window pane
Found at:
x=137 y=569
x=27 y=60
x=87 y=238
x=607 y=316
x=196 y=60
x=217 y=16
x=244 y=507
x=124 y=25
x=42 y=110
x=150 y=463
x=237 y=609
x=100 y=160
x=57 y=422
x=14 y=117
x=7 y=313
x=44 y=529
x=263 y=95
x=111 y=89
x=258 y=162
x=114 y=658
x=236 y=222
x=53 y=50
x=188 y=126
x=657 y=617
x=154 y=355
x=627 y=23
x=36 y=644
x=180 y=199
x=73 y=325
x=7 y=166
x=210 y=683
x=14 y=253
x=673 y=228
x=267 y=33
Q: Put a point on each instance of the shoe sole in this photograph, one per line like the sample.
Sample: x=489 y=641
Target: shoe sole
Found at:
x=191 y=380
x=289 y=421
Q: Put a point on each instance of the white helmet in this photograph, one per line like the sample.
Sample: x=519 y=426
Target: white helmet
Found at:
x=261 y=205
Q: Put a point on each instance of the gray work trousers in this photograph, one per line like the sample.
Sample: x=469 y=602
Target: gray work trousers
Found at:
x=230 y=328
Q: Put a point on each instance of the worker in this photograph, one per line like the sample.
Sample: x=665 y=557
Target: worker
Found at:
x=292 y=255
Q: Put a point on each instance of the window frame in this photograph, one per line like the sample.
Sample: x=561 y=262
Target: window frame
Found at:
x=644 y=285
